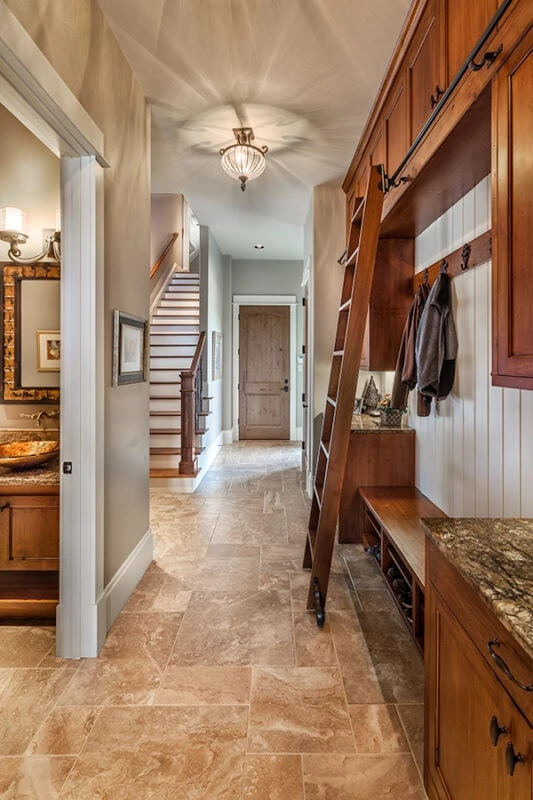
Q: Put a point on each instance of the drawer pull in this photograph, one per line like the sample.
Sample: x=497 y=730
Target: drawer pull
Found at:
x=496 y=731
x=512 y=758
x=500 y=663
x=3 y=507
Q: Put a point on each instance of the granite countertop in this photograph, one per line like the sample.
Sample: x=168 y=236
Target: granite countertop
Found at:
x=495 y=556
x=46 y=474
x=366 y=423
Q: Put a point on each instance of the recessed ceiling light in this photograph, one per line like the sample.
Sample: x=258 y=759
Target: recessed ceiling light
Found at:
x=259 y=246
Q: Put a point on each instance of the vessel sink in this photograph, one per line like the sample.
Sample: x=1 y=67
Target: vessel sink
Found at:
x=21 y=455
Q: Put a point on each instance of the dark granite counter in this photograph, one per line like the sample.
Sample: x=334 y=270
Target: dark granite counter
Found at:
x=495 y=556
x=366 y=423
x=46 y=474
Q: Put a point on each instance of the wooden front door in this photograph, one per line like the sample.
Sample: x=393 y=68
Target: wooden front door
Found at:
x=264 y=372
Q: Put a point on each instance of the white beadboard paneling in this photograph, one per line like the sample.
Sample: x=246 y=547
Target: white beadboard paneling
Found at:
x=482 y=206
x=526 y=466
x=469 y=215
x=511 y=453
x=457 y=224
x=481 y=387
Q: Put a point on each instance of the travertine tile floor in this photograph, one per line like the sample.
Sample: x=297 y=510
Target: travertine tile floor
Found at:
x=215 y=681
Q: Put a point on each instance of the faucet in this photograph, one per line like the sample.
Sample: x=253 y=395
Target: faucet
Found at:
x=38 y=416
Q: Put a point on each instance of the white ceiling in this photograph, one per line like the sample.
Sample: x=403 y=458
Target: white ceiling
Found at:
x=302 y=73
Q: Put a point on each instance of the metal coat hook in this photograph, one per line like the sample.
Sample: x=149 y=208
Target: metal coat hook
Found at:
x=488 y=59
x=465 y=255
x=426 y=277
x=342 y=259
x=444 y=267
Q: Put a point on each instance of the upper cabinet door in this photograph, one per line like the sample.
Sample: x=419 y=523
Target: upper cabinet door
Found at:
x=396 y=128
x=464 y=24
x=425 y=69
x=512 y=219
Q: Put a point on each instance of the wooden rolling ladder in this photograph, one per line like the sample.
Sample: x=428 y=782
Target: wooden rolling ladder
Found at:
x=359 y=263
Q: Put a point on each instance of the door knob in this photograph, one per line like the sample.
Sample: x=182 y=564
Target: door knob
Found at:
x=496 y=731
x=286 y=380
x=284 y=389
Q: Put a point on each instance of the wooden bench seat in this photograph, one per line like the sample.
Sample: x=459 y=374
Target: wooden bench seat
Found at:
x=392 y=520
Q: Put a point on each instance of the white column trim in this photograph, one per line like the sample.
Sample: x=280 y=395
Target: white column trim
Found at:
x=264 y=300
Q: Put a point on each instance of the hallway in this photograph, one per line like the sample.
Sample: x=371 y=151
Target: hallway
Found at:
x=215 y=681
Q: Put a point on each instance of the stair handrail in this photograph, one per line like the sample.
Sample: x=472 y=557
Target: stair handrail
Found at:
x=164 y=254
x=188 y=462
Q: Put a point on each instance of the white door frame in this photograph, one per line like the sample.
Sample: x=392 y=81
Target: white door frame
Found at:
x=307 y=281
x=264 y=300
x=34 y=92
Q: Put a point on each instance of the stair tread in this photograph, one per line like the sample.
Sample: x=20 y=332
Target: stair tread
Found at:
x=171 y=431
x=176 y=413
x=173 y=451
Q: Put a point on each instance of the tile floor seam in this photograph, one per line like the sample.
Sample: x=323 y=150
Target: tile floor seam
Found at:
x=418 y=769
x=74 y=763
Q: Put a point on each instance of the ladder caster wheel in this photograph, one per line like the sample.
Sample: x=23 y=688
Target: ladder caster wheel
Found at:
x=319 y=605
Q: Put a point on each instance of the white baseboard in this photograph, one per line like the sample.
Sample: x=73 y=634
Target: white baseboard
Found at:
x=309 y=485
x=118 y=590
x=227 y=437
x=189 y=485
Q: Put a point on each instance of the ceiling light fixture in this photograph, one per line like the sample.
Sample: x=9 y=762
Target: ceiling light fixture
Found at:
x=12 y=224
x=243 y=161
x=259 y=246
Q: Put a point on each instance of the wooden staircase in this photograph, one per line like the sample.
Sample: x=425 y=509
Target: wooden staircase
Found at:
x=359 y=264
x=174 y=340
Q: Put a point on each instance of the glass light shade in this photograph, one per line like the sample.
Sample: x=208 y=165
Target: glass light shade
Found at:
x=12 y=219
x=243 y=161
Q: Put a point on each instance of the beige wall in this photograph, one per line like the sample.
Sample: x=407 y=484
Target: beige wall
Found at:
x=167 y=218
x=29 y=180
x=75 y=38
x=329 y=240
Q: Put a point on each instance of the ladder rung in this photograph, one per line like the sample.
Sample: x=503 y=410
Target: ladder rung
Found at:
x=332 y=402
x=324 y=448
x=338 y=352
x=358 y=213
x=345 y=306
x=351 y=258
x=318 y=496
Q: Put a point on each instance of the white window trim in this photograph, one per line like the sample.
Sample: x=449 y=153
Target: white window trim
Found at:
x=35 y=93
x=264 y=300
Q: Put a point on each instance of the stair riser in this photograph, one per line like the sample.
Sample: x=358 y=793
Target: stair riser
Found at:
x=174 y=350
x=165 y=405
x=175 y=303
x=176 y=312
x=189 y=341
x=158 y=462
x=166 y=327
x=170 y=363
x=165 y=440
x=171 y=377
x=182 y=297
x=165 y=423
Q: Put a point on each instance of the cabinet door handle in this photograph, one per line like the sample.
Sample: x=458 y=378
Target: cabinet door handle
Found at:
x=488 y=59
x=434 y=99
x=512 y=758
x=496 y=731
x=500 y=663
x=3 y=507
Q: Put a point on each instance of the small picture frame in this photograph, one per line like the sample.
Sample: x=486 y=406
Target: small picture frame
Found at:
x=358 y=405
x=48 y=351
x=217 y=356
x=130 y=348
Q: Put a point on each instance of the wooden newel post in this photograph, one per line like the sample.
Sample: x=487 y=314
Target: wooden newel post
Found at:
x=188 y=462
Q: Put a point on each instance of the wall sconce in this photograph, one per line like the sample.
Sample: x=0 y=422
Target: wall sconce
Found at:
x=12 y=225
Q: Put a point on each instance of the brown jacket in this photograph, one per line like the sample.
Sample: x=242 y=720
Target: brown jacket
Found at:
x=406 y=375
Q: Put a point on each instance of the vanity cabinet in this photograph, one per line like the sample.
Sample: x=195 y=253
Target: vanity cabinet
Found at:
x=29 y=550
x=477 y=720
x=512 y=210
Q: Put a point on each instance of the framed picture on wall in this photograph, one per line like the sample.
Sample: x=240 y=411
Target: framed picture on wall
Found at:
x=48 y=351
x=130 y=346
x=217 y=356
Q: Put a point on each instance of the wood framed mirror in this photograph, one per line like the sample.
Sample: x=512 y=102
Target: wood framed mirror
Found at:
x=30 y=325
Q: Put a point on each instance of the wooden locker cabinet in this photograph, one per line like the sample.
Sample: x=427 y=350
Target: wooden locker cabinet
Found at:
x=468 y=700
x=29 y=532
x=512 y=211
x=425 y=69
x=463 y=24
